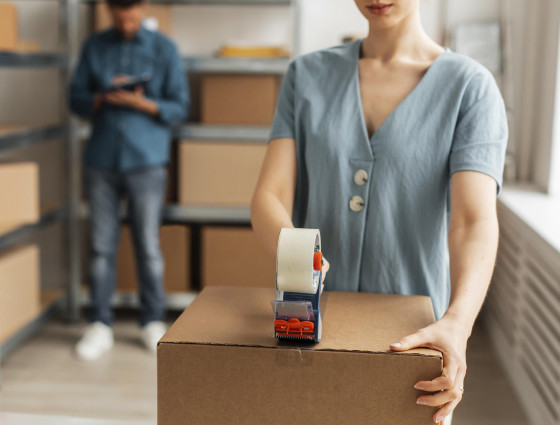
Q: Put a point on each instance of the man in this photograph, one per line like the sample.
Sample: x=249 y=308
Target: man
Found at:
x=126 y=156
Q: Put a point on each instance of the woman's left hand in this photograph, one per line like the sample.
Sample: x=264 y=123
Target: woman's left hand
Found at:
x=449 y=337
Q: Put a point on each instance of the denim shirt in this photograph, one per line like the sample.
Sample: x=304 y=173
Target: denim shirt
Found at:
x=123 y=138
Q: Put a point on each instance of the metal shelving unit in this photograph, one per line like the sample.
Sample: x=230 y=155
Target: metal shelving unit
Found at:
x=198 y=217
x=223 y=133
x=52 y=301
x=207 y=65
x=19 y=235
x=206 y=215
x=31 y=60
x=30 y=136
x=69 y=131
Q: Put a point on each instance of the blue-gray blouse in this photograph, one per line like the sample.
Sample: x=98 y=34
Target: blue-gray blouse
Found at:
x=382 y=204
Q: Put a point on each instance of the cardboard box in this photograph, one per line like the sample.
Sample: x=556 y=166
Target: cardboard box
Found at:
x=9 y=27
x=19 y=286
x=214 y=173
x=175 y=247
x=159 y=13
x=232 y=256
x=219 y=364
x=28 y=46
x=239 y=99
x=50 y=160
x=19 y=192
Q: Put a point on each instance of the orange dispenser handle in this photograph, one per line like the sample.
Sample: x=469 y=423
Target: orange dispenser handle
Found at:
x=318 y=261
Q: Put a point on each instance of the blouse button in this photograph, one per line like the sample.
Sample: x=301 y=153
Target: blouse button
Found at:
x=361 y=177
x=357 y=203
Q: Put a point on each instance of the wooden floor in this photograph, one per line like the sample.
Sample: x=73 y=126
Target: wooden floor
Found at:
x=44 y=377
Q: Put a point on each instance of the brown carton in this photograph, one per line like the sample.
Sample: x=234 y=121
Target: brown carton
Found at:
x=158 y=12
x=214 y=173
x=239 y=99
x=19 y=192
x=232 y=256
x=9 y=29
x=175 y=247
x=50 y=160
x=219 y=364
x=19 y=286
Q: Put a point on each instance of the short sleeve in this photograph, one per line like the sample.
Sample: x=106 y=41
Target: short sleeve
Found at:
x=481 y=134
x=283 y=124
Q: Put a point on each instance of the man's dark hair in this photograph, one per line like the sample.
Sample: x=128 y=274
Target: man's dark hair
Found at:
x=124 y=4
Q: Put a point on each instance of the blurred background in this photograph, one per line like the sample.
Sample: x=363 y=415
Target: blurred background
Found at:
x=234 y=53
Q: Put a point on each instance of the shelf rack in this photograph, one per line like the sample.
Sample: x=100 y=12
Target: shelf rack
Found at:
x=31 y=60
x=207 y=65
x=70 y=131
x=29 y=136
x=52 y=301
x=223 y=133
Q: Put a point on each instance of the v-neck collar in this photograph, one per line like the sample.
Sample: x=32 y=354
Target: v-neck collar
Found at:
x=356 y=76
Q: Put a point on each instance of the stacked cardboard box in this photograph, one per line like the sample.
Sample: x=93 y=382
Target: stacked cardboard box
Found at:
x=239 y=99
x=232 y=256
x=9 y=31
x=245 y=376
x=49 y=157
x=19 y=192
x=214 y=173
x=175 y=246
x=19 y=286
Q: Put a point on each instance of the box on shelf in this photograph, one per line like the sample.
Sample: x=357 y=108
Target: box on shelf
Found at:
x=175 y=247
x=158 y=14
x=19 y=285
x=252 y=50
x=214 y=173
x=19 y=192
x=50 y=159
x=245 y=376
x=232 y=256
x=27 y=46
x=239 y=99
x=9 y=29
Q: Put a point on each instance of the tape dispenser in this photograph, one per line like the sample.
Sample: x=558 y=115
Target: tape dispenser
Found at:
x=299 y=264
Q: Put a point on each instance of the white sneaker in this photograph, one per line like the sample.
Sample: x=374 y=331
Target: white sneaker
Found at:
x=97 y=338
x=152 y=333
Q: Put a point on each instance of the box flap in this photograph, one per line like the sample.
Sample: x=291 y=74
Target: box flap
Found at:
x=351 y=321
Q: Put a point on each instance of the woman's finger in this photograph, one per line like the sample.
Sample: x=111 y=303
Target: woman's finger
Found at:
x=439 y=398
x=326 y=267
x=446 y=410
x=417 y=339
x=447 y=379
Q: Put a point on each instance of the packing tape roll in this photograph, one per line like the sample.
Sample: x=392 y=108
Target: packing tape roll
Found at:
x=294 y=260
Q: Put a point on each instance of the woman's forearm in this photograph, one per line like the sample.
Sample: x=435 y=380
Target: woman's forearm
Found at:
x=268 y=216
x=472 y=255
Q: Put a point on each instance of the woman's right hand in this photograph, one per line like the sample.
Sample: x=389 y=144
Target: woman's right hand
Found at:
x=326 y=267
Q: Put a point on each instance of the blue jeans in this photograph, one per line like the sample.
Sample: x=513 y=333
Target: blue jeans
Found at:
x=145 y=190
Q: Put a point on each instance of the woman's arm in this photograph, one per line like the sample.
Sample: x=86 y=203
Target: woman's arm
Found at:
x=473 y=243
x=473 y=240
x=273 y=200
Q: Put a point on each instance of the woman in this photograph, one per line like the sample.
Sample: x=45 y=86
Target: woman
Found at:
x=394 y=148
